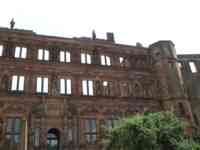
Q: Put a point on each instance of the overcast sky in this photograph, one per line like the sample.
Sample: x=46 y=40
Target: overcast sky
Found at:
x=144 y=21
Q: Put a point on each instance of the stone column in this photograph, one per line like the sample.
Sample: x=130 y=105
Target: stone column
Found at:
x=63 y=145
x=43 y=135
x=64 y=142
x=54 y=85
x=75 y=56
x=76 y=132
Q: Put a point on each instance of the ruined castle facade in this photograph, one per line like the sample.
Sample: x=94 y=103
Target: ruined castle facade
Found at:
x=61 y=93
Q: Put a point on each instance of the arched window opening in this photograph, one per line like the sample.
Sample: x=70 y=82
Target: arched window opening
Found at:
x=53 y=139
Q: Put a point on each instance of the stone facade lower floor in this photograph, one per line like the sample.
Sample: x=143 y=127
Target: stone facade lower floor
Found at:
x=64 y=124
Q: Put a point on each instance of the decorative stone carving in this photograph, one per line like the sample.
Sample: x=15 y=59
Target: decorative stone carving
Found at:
x=14 y=109
x=5 y=83
x=98 y=87
x=55 y=84
x=138 y=90
x=93 y=34
x=124 y=89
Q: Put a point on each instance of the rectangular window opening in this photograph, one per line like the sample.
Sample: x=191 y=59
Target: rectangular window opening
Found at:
x=91 y=131
x=87 y=87
x=121 y=60
x=65 y=86
x=36 y=137
x=42 y=85
x=105 y=60
x=86 y=58
x=1 y=50
x=108 y=61
x=193 y=67
x=13 y=129
x=17 y=83
x=46 y=55
x=40 y=54
x=20 y=52
x=106 y=89
x=65 y=56
x=43 y=54
x=105 y=83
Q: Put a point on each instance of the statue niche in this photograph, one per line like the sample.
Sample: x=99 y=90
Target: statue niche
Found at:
x=98 y=87
x=149 y=91
x=55 y=84
x=124 y=89
x=137 y=89
x=4 y=83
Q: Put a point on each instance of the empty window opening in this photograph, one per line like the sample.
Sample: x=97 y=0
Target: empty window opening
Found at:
x=193 y=67
x=43 y=54
x=121 y=60
x=105 y=60
x=1 y=50
x=53 y=139
x=90 y=131
x=86 y=58
x=105 y=83
x=65 y=56
x=87 y=87
x=106 y=90
x=65 y=86
x=17 y=83
x=42 y=85
x=20 y=52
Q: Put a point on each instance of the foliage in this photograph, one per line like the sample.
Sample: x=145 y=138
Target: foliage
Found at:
x=153 y=131
x=187 y=144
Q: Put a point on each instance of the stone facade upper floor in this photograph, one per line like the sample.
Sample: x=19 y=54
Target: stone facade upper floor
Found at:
x=29 y=56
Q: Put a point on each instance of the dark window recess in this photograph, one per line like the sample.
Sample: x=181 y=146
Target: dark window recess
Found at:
x=181 y=109
x=90 y=131
x=13 y=130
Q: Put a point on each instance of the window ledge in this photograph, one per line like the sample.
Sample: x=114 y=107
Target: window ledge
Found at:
x=65 y=94
x=15 y=92
x=41 y=94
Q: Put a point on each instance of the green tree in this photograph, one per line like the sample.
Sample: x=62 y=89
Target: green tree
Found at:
x=188 y=144
x=153 y=131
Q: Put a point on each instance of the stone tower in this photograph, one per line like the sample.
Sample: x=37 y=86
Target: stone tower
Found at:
x=170 y=84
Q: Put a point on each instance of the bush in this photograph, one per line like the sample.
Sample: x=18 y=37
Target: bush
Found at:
x=153 y=131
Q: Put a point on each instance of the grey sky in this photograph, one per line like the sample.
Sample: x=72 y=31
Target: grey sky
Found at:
x=144 y=21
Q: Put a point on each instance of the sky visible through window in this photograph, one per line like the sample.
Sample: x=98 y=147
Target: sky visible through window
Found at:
x=131 y=20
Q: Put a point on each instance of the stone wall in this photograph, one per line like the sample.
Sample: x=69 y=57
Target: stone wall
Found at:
x=142 y=82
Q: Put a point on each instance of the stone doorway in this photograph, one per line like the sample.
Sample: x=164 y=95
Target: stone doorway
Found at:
x=53 y=139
